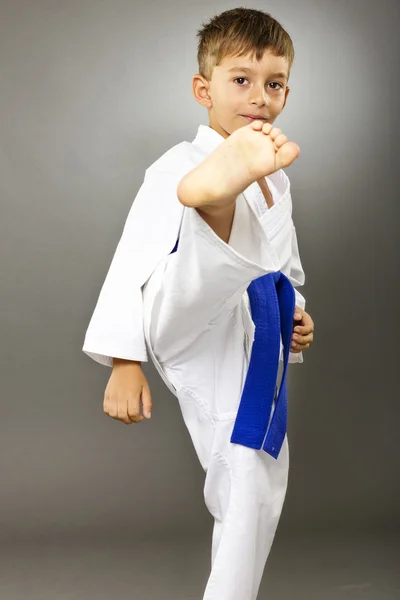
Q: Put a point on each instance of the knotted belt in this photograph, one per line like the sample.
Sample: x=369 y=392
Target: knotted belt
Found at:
x=272 y=302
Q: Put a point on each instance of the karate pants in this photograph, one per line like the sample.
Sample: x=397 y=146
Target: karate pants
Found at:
x=244 y=488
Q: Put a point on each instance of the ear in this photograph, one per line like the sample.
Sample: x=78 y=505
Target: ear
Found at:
x=201 y=90
x=286 y=97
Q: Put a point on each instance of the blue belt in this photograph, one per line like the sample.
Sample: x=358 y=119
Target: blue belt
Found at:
x=272 y=302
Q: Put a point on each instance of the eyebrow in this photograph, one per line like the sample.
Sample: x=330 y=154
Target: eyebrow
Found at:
x=247 y=69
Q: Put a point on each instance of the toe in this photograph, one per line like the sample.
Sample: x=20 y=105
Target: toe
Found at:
x=267 y=128
x=275 y=131
x=280 y=140
x=287 y=154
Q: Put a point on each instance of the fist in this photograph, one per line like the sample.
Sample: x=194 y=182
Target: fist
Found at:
x=127 y=392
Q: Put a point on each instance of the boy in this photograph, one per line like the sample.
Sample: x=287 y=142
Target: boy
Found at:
x=212 y=221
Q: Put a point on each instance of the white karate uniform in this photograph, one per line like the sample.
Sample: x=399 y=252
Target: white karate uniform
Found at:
x=198 y=330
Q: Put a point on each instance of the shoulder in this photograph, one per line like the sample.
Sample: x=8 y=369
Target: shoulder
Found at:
x=178 y=160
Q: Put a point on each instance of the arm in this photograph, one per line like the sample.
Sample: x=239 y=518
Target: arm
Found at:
x=297 y=278
x=150 y=232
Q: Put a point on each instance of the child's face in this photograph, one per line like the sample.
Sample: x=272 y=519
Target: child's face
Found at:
x=233 y=91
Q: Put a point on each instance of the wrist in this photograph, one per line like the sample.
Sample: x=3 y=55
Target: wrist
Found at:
x=123 y=362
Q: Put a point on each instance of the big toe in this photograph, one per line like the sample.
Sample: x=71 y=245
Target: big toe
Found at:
x=287 y=154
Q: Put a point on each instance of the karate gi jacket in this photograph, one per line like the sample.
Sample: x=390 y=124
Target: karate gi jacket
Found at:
x=150 y=234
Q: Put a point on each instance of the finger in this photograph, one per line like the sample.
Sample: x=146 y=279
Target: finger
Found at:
x=110 y=406
x=307 y=320
x=132 y=409
x=307 y=317
x=134 y=418
x=302 y=346
x=303 y=329
x=129 y=420
x=146 y=401
x=297 y=348
x=298 y=329
x=302 y=339
x=105 y=404
x=302 y=343
x=123 y=418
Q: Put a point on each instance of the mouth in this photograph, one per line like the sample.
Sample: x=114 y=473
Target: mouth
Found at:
x=251 y=118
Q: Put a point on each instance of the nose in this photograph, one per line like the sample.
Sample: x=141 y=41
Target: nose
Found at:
x=259 y=96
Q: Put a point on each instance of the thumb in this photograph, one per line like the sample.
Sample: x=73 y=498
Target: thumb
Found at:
x=146 y=401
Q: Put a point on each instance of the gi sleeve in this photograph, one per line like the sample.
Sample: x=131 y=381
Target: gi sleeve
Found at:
x=149 y=234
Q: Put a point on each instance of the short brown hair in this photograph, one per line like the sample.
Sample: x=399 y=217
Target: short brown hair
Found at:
x=241 y=31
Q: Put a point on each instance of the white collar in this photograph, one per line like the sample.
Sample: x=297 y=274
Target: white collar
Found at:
x=207 y=139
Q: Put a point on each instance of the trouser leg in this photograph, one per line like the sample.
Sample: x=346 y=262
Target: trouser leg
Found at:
x=244 y=491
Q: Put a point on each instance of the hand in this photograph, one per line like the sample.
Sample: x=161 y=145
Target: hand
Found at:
x=126 y=387
x=303 y=331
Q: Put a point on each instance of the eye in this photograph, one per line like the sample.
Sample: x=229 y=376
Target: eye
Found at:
x=238 y=78
x=276 y=83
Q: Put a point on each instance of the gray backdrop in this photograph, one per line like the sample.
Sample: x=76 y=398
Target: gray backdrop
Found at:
x=91 y=94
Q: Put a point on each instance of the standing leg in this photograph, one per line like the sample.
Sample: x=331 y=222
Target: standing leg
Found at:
x=244 y=491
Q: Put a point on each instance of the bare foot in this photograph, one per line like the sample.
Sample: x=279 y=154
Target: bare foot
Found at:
x=248 y=154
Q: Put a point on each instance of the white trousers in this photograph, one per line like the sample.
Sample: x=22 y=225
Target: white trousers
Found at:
x=204 y=363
